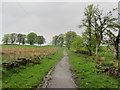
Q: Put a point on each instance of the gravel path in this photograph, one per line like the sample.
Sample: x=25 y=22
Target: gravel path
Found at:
x=62 y=76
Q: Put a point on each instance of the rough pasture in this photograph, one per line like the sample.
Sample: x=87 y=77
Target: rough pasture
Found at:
x=11 y=54
x=28 y=72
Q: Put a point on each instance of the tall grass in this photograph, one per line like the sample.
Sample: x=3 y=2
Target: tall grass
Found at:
x=13 y=53
x=86 y=73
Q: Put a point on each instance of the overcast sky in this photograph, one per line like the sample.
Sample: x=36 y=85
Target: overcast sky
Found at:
x=46 y=18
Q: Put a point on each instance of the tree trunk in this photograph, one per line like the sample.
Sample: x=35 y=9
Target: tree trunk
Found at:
x=90 y=52
x=116 y=52
x=116 y=46
x=97 y=48
x=68 y=48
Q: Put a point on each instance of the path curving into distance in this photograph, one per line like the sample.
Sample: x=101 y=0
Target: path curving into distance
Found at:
x=62 y=76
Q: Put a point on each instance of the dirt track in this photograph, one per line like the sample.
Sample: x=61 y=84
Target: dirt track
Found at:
x=62 y=76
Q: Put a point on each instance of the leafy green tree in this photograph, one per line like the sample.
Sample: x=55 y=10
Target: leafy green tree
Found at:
x=87 y=42
x=40 y=40
x=31 y=38
x=90 y=10
x=13 y=38
x=101 y=24
x=69 y=37
x=114 y=41
x=23 y=39
x=19 y=38
x=55 y=40
x=96 y=24
x=77 y=43
x=113 y=32
x=60 y=40
x=6 y=38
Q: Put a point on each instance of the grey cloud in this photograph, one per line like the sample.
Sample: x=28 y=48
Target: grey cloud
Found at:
x=46 y=19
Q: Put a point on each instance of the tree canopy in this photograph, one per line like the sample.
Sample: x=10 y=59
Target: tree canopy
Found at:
x=20 y=38
x=69 y=37
x=40 y=40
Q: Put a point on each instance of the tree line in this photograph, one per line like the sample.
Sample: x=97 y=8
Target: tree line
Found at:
x=64 y=39
x=99 y=29
x=31 y=38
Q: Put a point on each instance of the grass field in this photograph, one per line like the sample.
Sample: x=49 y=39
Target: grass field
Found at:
x=14 y=53
x=30 y=75
x=83 y=65
x=27 y=46
x=86 y=73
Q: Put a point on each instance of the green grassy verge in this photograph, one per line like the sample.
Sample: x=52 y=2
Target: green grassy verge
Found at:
x=29 y=75
x=86 y=74
x=27 y=46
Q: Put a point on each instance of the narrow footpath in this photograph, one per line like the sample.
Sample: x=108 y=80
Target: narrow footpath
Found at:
x=62 y=76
